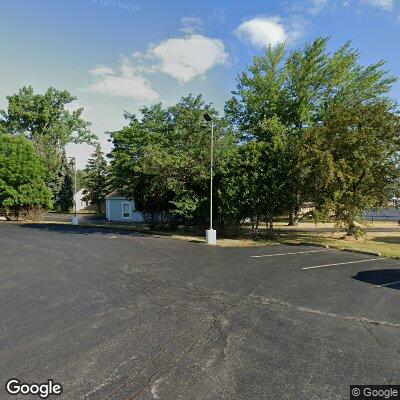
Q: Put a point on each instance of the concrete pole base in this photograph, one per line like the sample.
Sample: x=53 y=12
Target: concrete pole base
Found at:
x=211 y=236
x=74 y=221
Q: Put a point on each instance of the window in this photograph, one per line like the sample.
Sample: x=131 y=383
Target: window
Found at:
x=126 y=210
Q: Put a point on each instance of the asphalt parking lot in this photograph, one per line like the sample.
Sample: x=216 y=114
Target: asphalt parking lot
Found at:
x=114 y=316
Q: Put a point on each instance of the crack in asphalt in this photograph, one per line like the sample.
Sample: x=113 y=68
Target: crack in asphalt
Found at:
x=152 y=378
x=266 y=300
x=227 y=299
x=165 y=291
x=152 y=361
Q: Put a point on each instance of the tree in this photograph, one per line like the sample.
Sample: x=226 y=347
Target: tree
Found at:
x=80 y=179
x=352 y=160
x=259 y=110
x=162 y=161
x=45 y=120
x=95 y=179
x=23 y=190
x=62 y=185
x=317 y=80
x=191 y=141
x=292 y=93
x=137 y=167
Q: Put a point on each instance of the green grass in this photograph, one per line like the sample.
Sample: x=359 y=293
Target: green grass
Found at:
x=384 y=239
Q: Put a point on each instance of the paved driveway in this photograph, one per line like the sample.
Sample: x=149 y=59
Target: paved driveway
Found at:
x=117 y=316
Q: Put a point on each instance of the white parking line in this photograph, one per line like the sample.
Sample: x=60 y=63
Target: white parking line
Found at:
x=344 y=263
x=389 y=284
x=286 y=254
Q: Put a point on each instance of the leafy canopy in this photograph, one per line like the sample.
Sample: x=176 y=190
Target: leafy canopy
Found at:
x=163 y=160
x=22 y=176
x=47 y=121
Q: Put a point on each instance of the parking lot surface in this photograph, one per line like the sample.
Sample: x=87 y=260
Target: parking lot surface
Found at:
x=112 y=315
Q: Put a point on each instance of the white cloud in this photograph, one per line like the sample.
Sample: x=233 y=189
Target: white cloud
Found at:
x=101 y=71
x=127 y=83
x=188 y=57
x=386 y=5
x=183 y=58
x=262 y=31
x=191 y=25
x=136 y=87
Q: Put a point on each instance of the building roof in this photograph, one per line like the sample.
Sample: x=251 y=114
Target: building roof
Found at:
x=116 y=194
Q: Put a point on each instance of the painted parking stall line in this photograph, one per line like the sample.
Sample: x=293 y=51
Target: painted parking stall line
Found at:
x=389 y=284
x=343 y=263
x=288 y=254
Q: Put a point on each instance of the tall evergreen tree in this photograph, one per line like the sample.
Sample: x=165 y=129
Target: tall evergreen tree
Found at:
x=62 y=185
x=95 y=178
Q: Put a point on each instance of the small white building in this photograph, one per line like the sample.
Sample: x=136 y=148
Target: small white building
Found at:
x=121 y=209
x=79 y=200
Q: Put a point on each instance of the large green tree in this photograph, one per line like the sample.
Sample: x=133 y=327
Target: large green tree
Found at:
x=291 y=93
x=23 y=190
x=317 y=80
x=163 y=159
x=259 y=110
x=47 y=121
x=351 y=161
x=254 y=185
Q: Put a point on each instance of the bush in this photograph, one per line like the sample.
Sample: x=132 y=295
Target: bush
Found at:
x=23 y=192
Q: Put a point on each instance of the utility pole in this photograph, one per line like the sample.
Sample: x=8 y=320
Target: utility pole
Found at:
x=74 y=220
x=211 y=234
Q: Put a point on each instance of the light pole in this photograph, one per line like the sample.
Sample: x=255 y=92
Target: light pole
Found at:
x=74 y=220
x=211 y=234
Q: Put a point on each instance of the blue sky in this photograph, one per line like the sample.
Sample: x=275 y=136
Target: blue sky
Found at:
x=119 y=55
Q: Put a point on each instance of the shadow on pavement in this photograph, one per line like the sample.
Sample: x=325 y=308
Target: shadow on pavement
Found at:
x=381 y=277
x=82 y=230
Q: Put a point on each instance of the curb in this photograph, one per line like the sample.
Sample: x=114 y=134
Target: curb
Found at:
x=325 y=246
x=372 y=253
x=317 y=244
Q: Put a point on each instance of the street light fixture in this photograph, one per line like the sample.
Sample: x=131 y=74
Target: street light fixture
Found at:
x=74 y=220
x=211 y=234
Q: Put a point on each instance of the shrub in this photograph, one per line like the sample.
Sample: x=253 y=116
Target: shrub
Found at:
x=23 y=192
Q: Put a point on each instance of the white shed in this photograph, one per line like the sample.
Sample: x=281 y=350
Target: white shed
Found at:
x=79 y=199
x=120 y=208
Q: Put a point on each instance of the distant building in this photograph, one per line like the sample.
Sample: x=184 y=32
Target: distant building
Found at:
x=384 y=214
x=80 y=202
x=121 y=209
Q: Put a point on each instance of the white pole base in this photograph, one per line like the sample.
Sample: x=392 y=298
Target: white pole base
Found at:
x=211 y=236
x=74 y=221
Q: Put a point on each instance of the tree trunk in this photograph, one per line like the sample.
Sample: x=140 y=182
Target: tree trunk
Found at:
x=238 y=225
x=254 y=227
x=153 y=220
x=294 y=215
x=351 y=229
x=270 y=222
x=291 y=218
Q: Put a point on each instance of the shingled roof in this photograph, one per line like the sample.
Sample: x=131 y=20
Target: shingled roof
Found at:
x=116 y=194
